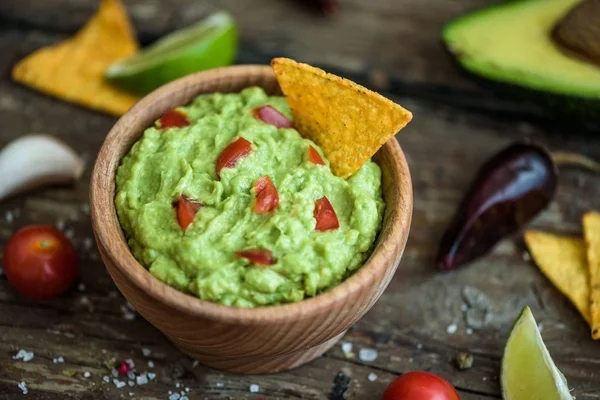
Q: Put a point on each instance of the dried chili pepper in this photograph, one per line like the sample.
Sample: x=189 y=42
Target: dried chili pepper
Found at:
x=511 y=188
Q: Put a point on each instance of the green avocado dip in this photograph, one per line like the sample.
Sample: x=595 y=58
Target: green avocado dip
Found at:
x=172 y=170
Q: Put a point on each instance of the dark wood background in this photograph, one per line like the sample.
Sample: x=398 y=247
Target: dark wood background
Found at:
x=389 y=45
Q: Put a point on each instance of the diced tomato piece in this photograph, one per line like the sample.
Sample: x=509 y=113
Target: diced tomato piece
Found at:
x=325 y=215
x=257 y=256
x=270 y=115
x=186 y=211
x=229 y=156
x=267 y=197
x=173 y=119
x=314 y=156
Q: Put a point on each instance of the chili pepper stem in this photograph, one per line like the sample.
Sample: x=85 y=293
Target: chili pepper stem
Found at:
x=577 y=160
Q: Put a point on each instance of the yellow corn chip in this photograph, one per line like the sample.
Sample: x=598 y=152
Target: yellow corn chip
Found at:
x=563 y=261
x=348 y=121
x=591 y=230
x=73 y=70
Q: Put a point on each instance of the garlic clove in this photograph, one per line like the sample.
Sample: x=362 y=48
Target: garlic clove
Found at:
x=35 y=160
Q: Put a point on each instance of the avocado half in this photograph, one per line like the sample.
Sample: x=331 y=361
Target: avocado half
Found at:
x=511 y=45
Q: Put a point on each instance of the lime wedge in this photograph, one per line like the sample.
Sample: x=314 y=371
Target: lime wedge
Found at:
x=210 y=43
x=528 y=372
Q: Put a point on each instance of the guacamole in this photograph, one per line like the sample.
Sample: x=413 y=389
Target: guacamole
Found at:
x=213 y=254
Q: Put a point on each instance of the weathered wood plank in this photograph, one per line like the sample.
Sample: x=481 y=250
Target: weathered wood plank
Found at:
x=408 y=327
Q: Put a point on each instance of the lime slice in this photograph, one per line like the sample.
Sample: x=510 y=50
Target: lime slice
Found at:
x=210 y=43
x=528 y=372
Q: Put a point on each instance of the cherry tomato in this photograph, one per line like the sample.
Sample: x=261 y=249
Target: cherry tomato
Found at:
x=420 y=385
x=173 y=119
x=257 y=256
x=270 y=115
x=267 y=197
x=40 y=262
x=229 y=156
x=186 y=211
x=325 y=215
x=314 y=156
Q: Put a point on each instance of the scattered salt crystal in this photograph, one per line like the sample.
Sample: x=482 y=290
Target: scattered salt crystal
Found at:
x=141 y=379
x=23 y=387
x=174 y=396
x=451 y=329
x=23 y=355
x=146 y=352
x=184 y=398
x=464 y=308
x=130 y=375
x=346 y=347
x=70 y=233
x=540 y=327
x=86 y=374
x=560 y=326
x=187 y=389
x=170 y=392
x=9 y=217
x=151 y=375
x=106 y=379
x=469 y=331
x=219 y=384
x=367 y=355
x=150 y=364
x=131 y=383
x=114 y=372
x=178 y=385
x=484 y=378
x=372 y=377
x=118 y=383
x=131 y=394
x=60 y=224
x=81 y=287
x=195 y=363
x=254 y=388
x=419 y=346
x=59 y=359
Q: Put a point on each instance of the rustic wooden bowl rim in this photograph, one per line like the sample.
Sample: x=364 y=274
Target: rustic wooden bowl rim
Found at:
x=123 y=259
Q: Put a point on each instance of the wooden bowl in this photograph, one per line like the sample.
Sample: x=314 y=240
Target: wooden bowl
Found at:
x=257 y=340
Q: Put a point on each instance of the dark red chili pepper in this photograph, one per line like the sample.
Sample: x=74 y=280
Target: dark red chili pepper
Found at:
x=511 y=188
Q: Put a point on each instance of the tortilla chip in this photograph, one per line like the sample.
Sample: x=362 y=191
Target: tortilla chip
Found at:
x=591 y=231
x=73 y=70
x=563 y=261
x=348 y=121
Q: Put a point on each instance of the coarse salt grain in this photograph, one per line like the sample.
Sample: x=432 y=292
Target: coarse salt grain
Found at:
x=346 y=347
x=183 y=398
x=57 y=360
x=174 y=396
x=86 y=374
x=114 y=373
x=23 y=387
x=419 y=346
x=187 y=389
x=540 y=327
x=451 y=329
x=367 y=355
x=178 y=385
x=372 y=377
x=9 y=217
x=219 y=384
x=106 y=379
x=150 y=364
x=131 y=383
x=70 y=233
x=151 y=375
x=464 y=308
x=131 y=375
x=141 y=379
x=131 y=394
x=146 y=352
x=469 y=331
x=254 y=388
x=195 y=363
x=119 y=384
x=23 y=355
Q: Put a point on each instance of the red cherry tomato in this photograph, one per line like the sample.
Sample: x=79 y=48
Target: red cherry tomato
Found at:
x=173 y=119
x=186 y=211
x=40 y=262
x=314 y=156
x=325 y=215
x=257 y=256
x=420 y=385
x=229 y=156
x=270 y=115
x=267 y=197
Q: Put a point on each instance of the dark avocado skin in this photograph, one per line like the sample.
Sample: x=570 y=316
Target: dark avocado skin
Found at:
x=584 y=110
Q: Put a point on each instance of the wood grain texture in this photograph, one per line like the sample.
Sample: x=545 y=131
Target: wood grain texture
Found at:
x=258 y=340
x=454 y=130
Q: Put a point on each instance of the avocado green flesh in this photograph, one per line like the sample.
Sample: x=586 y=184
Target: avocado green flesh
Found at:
x=512 y=43
x=201 y=260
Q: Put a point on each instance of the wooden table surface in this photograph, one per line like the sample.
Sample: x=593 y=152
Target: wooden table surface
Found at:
x=389 y=45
